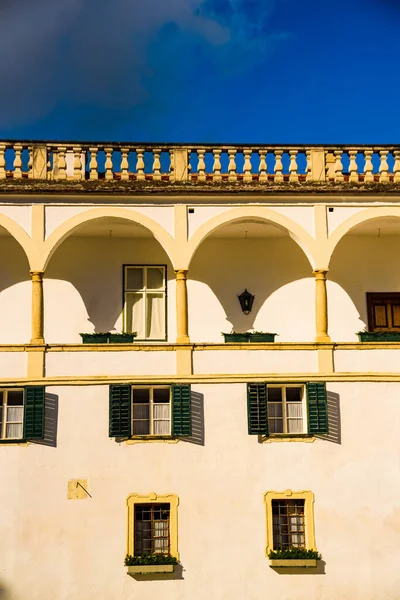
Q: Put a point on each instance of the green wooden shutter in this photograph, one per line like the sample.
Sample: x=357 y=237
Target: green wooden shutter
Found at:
x=257 y=408
x=120 y=411
x=317 y=408
x=34 y=412
x=181 y=410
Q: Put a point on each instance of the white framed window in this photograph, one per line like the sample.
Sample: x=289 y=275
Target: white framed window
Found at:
x=11 y=414
x=145 y=295
x=151 y=410
x=287 y=409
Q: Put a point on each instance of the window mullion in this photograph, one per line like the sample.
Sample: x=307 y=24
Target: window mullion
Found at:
x=4 y=416
x=284 y=411
x=151 y=411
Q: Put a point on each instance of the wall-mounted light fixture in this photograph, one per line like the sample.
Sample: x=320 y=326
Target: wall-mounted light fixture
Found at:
x=246 y=301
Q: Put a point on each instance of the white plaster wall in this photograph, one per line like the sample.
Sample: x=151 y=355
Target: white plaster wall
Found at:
x=302 y=215
x=202 y=214
x=21 y=215
x=15 y=293
x=340 y=214
x=163 y=215
x=83 y=285
x=360 y=264
x=110 y=363
x=56 y=215
x=52 y=547
x=13 y=364
x=363 y=361
x=275 y=270
x=254 y=361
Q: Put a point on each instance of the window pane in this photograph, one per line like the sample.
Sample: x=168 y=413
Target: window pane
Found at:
x=140 y=395
x=396 y=315
x=294 y=410
x=161 y=413
x=14 y=431
x=155 y=325
x=15 y=414
x=295 y=426
x=275 y=425
x=155 y=278
x=134 y=278
x=134 y=318
x=15 y=398
x=293 y=394
x=380 y=315
x=274 y=409
x=161 y=395
x=274 y=394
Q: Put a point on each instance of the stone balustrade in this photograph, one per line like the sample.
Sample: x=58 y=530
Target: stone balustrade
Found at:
x=201 y=164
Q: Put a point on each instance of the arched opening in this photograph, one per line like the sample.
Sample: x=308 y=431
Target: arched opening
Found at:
x=15 y=292
x=86 y=289
x=365 y=260
x=260 y=256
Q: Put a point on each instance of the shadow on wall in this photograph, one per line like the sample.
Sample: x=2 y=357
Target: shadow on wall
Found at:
x=197 y=436
x=318 y=570
x=177 y=574
x=94 y=267
x=14 y=304
x=4 y=593
x=228 y=266
x=334 y=426
x=50 y=422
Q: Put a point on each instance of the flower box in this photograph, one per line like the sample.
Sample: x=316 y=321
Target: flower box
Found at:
x=257 y=336
x=293 y=562
x=262 y=337
x=145 y=569
x=236 y=337
x=121 y=338
x=94 y=338
x=379 y=336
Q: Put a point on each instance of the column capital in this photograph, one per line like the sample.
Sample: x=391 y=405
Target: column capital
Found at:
x=36 y=275
x=181 y=273
x=320 y=273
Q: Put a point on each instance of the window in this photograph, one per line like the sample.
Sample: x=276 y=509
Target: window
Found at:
x=11 y=414
x=287 y=409
x=22 y=413
x=153 y=524
x=152 y=528
x=383 y=311
x=150 y=411
x=145 y=294
x=290 y=520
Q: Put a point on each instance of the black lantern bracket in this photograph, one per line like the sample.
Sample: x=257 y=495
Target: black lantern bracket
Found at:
x=246 y=301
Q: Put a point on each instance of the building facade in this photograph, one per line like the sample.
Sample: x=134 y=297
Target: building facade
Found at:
x=210 y=449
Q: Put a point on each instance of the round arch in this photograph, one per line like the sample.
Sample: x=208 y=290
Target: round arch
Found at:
x=19 y=235
x=357 y=219
x=296 y=232
x=68 y=227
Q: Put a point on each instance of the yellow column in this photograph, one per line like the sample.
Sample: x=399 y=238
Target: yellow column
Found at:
x=182 y=336
x=37 y=307
x=321 y=307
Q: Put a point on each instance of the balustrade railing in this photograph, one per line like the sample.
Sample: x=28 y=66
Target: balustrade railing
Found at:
x=231 y=164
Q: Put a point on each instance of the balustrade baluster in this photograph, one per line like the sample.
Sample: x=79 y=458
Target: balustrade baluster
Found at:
x=30 y=162
x=124 y=164
x=109 y=175
x=247 y=176
x=383 y=167
x=17 y=161
x=278 y=166
x=140 y=176
x=338 y=166
x=396 y=168
x=263 y=176
x=309 y=176
x=353 y=169
x=2 y=161
x=62 y=163
x=201 y=167
x=217 y=165
x=293 y=175
x=77 y=162
x=93 y=165
x=232 y=165
x=156 y=164
x=368 y=175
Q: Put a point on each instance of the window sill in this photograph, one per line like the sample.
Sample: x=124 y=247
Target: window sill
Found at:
x=293 y=562
x=153 y=439
x=305 y=437
x=14 y=442
x=146 y=569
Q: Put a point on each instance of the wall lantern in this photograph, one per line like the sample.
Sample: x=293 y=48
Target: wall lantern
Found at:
x=246 y=301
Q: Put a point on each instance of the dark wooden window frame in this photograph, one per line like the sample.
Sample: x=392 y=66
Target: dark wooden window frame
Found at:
x=388 y=299
x=148 y=544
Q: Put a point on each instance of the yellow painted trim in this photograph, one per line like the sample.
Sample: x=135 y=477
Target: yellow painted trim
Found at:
x=308 y=498
x=184 y=361
x=7 y=444
x=68 y=227
x=36 y=364
x=286 y=438
x=151 y=440
x=260 y=213
x=173 y=501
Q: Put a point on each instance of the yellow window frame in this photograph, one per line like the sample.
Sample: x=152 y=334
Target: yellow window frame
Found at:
x=172 y=500
x=309 y=526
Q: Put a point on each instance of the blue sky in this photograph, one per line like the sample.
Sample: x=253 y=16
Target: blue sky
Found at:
x=262 y=71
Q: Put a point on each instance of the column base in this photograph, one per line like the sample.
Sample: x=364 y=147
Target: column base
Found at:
x=323 y=338
x=37 y=341
x=182 y=339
